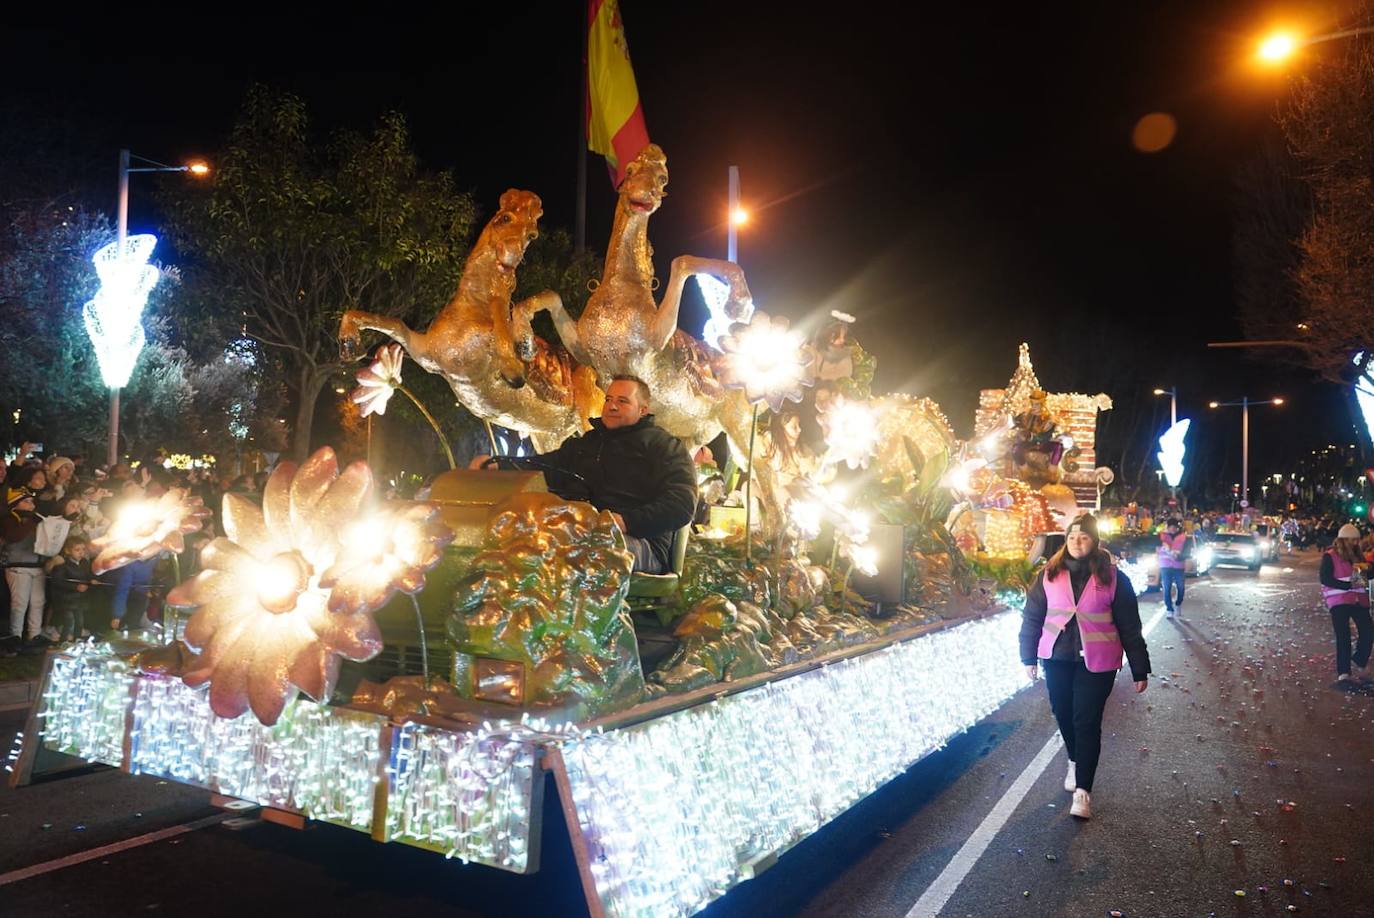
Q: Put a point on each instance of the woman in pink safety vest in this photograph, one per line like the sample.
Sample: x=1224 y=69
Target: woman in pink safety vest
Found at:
x=1172 y=545
x=1348 y=602
x=1080 y=619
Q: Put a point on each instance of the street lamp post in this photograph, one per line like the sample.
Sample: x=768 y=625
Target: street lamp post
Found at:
x=1173 y=404
x=122 y=235
x=1244 y=404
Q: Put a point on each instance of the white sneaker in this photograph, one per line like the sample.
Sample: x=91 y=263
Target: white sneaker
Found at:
x=1071 y=779
x=1082 y=805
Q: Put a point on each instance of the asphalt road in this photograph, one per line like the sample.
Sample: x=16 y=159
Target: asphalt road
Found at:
x=1242 y=767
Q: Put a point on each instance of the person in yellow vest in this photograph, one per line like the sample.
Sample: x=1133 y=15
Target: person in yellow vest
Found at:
x=1079 y=620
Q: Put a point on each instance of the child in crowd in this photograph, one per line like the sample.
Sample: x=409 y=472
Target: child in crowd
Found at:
x=69 y=579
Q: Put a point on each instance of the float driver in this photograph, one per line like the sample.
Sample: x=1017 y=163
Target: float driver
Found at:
x=625 y=464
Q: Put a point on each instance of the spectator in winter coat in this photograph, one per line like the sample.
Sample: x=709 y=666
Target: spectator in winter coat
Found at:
x=23 y=567
x=69 y=583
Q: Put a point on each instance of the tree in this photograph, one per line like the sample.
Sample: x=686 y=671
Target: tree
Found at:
x=292 y=231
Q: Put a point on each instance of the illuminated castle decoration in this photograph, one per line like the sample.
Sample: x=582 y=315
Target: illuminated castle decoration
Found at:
x=1073 y=414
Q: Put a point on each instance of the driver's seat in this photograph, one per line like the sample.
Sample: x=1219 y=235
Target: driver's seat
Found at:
x=655 y=587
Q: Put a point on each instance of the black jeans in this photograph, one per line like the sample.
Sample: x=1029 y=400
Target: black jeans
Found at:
x=1341 y=617
x=1078 y=698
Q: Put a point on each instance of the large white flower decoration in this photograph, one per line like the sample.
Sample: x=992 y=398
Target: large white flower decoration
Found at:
x=851 y=432
x=767 y=360
x=145 y=528
x=266 y=623
x=379 y=381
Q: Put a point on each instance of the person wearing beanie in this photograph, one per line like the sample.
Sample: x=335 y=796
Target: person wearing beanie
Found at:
x=1079 y=620
x=23 y=566
x=1343 y=578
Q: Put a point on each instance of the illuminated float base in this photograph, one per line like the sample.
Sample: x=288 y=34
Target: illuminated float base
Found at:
x=670 y=803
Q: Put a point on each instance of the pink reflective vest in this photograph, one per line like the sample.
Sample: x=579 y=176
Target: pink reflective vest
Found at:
x=1102 y=650
x=1342 y=570
x=1170 y=551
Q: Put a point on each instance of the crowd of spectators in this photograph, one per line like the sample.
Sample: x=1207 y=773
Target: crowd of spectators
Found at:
x=50 y=591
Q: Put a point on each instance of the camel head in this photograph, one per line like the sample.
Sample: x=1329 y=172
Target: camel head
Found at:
x=646 y=177
x=511 y=230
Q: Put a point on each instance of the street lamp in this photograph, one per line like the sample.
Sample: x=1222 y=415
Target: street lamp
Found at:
x=112 y=319
x=1173 y=404
x=1245 y=404
x=1280 y=46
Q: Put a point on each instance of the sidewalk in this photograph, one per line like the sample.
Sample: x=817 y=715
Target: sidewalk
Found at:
x=19 y=682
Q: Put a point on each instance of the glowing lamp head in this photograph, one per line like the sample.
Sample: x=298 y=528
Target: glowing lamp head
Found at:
x=1159 y=392
x=283 y=579
x=198 y=169
x=1277 y=47
x=1214 y=404
x=739 y=216
x=1278 y=401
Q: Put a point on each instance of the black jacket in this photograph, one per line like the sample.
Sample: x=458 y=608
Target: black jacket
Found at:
x=1069 y=644
x=641 y=472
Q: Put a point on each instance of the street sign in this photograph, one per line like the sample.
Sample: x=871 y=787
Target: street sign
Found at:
x=1245 y=503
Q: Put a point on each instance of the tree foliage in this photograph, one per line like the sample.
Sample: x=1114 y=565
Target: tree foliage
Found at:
x=293 y=230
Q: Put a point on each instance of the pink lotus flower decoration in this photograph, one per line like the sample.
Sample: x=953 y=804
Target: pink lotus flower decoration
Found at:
x=267 y=622
x=143 y=529
x=379 y=381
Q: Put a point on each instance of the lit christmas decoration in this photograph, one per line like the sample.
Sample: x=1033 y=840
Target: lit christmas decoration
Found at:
x=767 y=360
x=113 y=317
x=864 y=558
x=1171 y=452
x=144 y=529
x=716 y=293
x=264 y=621
x=851 y=432
x=391 y=550
x=806 y=517
x=379 y=381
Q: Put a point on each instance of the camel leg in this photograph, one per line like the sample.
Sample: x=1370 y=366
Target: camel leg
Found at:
x=735 y=417
x=552 y=303
x=354 y=322
x=685 y=266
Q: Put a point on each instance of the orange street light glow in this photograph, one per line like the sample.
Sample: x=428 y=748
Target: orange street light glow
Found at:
x=1214 y=404
x=739 y=216
x=1278 y=47
x=199 y=169
x=1278 y=401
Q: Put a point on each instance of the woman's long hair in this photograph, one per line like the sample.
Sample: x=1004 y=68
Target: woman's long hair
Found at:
x=1099 y=563
x=1348 y=550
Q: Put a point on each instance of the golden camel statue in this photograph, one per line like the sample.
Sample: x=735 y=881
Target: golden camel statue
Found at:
x=622 y=330
x=471 y=344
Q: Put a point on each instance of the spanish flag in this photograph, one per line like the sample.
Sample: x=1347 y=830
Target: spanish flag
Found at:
x=615 y=120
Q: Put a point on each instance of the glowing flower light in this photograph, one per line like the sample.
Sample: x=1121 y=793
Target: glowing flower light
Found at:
x=378 y=382
x=806 y=517
x=766 y=360
x=265 y=624
x=851 y=432
x=390 y=551
x=112 y=318
x=144 y=529
x=716 y=294
x=865 y=559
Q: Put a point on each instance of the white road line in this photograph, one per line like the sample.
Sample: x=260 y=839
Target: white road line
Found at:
x=15 y=876
x=939 y=892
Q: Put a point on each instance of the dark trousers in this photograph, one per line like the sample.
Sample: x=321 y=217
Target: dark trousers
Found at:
x=1341 y=617
x=645 y=561
x=1171 y=579
x=1078 y=698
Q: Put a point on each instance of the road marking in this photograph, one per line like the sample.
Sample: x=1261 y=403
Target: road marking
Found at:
x=939 y=892
x=15 y=876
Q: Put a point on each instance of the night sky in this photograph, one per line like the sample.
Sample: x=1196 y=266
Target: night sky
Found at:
x=961 y=179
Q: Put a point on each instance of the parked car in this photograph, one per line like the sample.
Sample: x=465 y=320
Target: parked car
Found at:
x=1238 y=548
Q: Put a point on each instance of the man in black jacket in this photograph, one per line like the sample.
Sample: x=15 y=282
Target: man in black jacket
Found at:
x=627 y=465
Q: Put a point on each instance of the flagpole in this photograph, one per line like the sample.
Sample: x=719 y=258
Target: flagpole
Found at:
x=580 y=229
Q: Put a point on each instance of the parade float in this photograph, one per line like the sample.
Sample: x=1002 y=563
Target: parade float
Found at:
x=426 y=672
